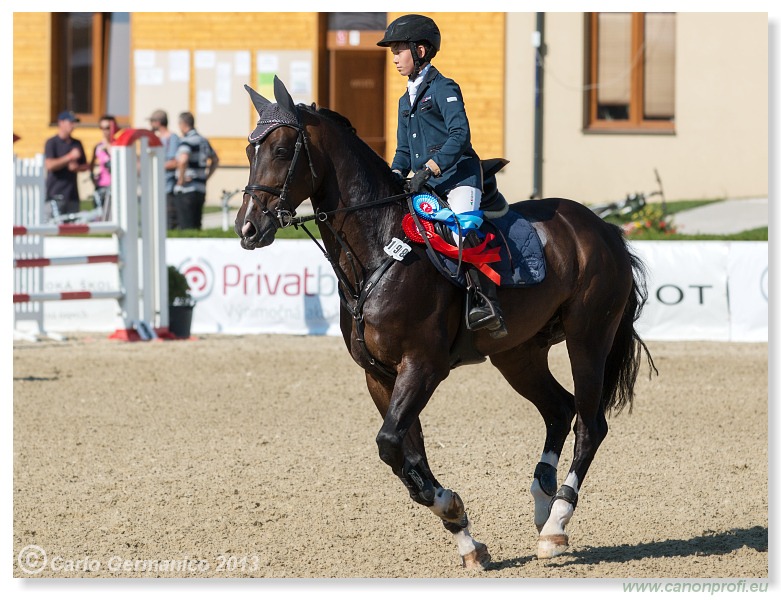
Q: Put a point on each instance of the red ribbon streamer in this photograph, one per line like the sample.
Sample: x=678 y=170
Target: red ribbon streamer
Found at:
x=479 y=256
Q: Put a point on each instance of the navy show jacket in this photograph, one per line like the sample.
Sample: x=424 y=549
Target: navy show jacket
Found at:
x=435 y=128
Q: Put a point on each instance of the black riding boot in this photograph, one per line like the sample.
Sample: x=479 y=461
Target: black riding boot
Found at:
x=484 y=310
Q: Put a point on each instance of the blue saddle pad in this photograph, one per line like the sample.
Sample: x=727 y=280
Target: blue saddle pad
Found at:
x=523 y=266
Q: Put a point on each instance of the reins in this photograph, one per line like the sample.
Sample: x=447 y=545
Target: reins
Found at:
x=360 y=290
x=352 y=296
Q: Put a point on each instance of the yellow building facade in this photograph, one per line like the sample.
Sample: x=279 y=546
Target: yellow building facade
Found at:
x=477 y=67
x=713 y=144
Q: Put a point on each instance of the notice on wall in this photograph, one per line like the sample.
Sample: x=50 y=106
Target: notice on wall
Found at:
x=224 y=83
x=161 y=82
x=203 y=103
x=293 y=67
x=179 y=65
x=205 y=59
x=241 y=63
x=222 y=107
x=300 y=78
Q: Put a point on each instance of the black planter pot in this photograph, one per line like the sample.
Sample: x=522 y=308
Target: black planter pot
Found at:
x=180 y=319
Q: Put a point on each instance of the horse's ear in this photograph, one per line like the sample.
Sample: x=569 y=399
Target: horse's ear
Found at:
x=258 y=101
x=283 y=97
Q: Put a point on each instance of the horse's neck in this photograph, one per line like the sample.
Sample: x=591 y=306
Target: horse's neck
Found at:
x=364 y=231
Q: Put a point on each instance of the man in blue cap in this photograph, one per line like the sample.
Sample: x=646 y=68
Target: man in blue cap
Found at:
x=64 y=158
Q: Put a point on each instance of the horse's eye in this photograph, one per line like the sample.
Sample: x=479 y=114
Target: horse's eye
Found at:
x=281 y=152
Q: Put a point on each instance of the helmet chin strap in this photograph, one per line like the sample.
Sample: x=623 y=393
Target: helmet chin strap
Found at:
x=419 y=62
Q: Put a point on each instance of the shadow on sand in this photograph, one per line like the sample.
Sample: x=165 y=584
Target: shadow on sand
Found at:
x=707 y=544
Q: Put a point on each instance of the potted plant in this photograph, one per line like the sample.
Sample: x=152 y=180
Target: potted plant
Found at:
x=180 y=304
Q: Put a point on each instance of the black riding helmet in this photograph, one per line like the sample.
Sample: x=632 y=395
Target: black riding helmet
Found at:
x=414 y=29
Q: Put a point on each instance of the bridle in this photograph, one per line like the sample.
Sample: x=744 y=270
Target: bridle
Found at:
x=353 y=291
x=284 y=214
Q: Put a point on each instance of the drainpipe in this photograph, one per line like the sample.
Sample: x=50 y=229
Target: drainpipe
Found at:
x=538 y=42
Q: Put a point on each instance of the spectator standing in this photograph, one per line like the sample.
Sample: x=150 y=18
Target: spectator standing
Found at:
x=196 y=162
x=64 y=159
x=159 y=124
x=101 y=163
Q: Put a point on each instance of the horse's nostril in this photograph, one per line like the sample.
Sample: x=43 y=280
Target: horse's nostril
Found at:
x=248 y=230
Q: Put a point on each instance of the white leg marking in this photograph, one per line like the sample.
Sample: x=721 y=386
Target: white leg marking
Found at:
x=442 y=498
x=561 y=511
x=464 y=541
x=541 y=504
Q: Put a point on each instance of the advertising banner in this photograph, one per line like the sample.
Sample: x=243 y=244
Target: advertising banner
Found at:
x=687 y=291
x=696 y=290
x=287 y=287
x=747 y=270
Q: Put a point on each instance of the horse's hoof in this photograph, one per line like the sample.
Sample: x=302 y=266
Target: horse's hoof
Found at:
x=549 y=546
x=477 y=559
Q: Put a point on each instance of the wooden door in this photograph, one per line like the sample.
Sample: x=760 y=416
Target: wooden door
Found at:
x=357 y=91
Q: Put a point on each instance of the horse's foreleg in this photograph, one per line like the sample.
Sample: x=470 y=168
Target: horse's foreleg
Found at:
x=411 y=392
x=423 y=486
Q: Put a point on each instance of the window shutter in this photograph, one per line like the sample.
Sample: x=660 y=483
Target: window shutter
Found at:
x=659 y=97
x=614 y=58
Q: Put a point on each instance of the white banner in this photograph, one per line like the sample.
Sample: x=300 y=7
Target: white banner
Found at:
x=287 y=287
x=747 y=270
x=696 y=290
x=81 y=315
x=687 y=291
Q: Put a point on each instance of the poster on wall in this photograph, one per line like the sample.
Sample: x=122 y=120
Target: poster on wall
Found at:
x=748 y=291
x=293 y=67
x=162 y=82
x=222 y=108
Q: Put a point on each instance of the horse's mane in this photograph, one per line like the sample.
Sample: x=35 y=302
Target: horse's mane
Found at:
x=364 y=150
x=367 y=185
x=334 y=116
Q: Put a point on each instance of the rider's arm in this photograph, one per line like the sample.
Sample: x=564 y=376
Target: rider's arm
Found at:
x=451 y=105
x=401 y=161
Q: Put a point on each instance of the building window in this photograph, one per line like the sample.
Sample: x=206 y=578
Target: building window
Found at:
x=90 y=64
x=631 y=71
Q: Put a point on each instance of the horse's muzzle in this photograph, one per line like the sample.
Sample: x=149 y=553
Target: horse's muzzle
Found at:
x=256 y=234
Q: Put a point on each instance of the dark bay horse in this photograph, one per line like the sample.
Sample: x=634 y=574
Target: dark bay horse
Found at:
x=592 y=295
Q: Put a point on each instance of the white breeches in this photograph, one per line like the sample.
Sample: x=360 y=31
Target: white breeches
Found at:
x=464 y=198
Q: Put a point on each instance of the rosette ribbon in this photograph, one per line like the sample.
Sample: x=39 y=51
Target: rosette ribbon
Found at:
x=469 y=221
x=479 y=256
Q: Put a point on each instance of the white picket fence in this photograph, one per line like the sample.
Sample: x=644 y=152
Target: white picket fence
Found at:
x=29 y=210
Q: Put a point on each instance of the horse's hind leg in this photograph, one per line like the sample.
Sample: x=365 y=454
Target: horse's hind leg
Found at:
x=526 y=369
x=424 y=488
x=588 y=345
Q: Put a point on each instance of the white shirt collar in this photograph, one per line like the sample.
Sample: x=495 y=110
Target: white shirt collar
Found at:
x=412 y=86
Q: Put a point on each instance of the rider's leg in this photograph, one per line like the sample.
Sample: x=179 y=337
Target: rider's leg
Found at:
x=485 y=312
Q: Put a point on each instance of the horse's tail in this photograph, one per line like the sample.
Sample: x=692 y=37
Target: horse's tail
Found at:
x=623 y=361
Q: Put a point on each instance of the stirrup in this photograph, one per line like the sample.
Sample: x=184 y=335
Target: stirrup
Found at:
x=485 y=316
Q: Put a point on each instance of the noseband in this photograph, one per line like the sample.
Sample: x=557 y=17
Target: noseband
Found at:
x=283 y=216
